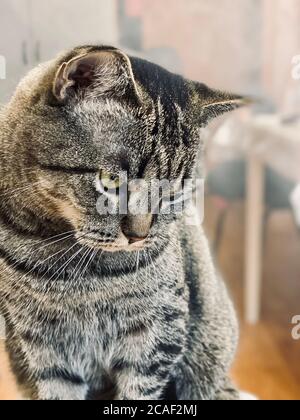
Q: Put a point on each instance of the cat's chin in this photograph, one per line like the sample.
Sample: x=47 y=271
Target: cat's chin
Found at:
x=114 y=248
x=123 y=249
x=128 y=248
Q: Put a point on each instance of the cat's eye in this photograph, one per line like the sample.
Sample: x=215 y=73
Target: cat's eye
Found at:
x=109 y=181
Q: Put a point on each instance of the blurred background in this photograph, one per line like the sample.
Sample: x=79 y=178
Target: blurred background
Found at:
x=252 y=157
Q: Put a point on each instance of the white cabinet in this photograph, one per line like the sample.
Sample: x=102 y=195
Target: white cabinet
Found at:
x=32 y=31
x=14 y=44
x=62 y=24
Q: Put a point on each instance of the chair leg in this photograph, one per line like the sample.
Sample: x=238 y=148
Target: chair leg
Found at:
x=254 y=238
x=267 y=216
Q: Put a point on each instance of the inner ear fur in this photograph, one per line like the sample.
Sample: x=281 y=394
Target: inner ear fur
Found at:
x=95 y=74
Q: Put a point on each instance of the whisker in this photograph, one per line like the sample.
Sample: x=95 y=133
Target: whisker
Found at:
x=19 y=281
x=60 y=270
x=50 y=244
x=81 y=263
x=65 y=265
x=93 y=256
x=41 y=242
x=29 y=259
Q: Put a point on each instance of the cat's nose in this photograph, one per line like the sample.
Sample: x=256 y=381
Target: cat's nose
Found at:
x=136 y=228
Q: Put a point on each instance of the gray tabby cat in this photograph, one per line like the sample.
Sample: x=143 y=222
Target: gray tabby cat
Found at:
x=96 y=303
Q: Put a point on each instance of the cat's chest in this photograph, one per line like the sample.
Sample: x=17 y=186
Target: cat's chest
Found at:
x=107 y=334
x=101 y=324
x=107 y=322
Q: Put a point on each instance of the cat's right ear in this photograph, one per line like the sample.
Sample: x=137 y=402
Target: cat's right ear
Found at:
x=94 y=75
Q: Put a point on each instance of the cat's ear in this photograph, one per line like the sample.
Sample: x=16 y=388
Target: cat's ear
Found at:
x=101 y=73
x=209 y=103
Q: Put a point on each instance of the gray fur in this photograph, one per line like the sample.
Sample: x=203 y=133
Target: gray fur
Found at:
x=87 y=313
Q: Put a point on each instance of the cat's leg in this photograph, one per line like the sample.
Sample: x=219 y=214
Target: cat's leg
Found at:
x=61 y=388
x=142 y=378
x=193 y=385
x=55 y=384
x=212 y=332
x=142 y=382
x=38 y=378
x=143 y=370
x=228 y=392
x=202 y=373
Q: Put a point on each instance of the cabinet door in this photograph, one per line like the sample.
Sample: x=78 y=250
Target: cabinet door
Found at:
x=58 y=25
x=14 y=45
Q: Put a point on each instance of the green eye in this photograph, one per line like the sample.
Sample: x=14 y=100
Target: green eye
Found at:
x=109 y=181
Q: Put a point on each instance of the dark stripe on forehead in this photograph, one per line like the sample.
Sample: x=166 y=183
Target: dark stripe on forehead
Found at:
x=170 y=166
x=176 y=168
x=142 y=168
x=160 y=83
x=156 y=128
x=185 y=135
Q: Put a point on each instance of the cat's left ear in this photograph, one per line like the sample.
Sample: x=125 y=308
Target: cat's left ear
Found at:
x=96 y=74
x=209 y=103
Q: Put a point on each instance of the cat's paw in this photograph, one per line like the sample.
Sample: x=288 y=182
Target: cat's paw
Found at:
x=245 y=396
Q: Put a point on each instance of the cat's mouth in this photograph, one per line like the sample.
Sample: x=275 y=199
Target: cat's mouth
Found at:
x=121 y=244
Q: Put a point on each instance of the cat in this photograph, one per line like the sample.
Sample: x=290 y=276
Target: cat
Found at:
x=129 y=305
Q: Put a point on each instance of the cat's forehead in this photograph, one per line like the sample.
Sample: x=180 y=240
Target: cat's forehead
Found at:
x=106 y=111
x=117 y=133
x=109 y=121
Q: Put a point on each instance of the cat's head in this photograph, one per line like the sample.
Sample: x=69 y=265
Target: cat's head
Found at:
x=84 y=126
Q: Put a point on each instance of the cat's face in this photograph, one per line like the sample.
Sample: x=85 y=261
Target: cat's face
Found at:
x=100 y=131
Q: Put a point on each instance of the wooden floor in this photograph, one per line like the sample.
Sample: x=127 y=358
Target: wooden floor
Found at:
x=268 y=360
